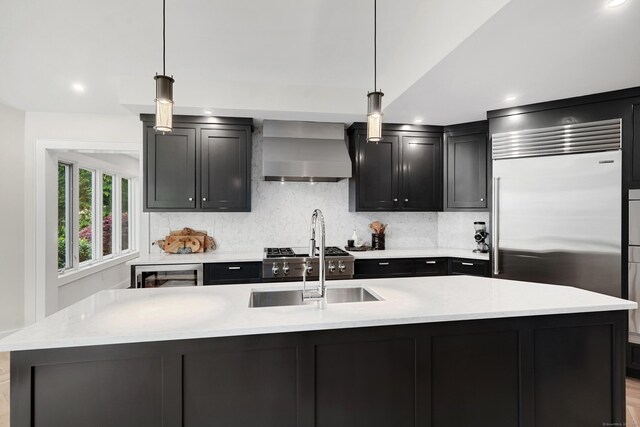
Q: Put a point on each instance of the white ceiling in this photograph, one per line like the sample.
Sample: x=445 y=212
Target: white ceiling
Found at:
x=443 y=61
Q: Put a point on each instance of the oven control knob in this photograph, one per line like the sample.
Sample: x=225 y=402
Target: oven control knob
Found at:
x=332 y=267
x=275 y=269
x=341 y=267
x=308 y=267
x=285 y=268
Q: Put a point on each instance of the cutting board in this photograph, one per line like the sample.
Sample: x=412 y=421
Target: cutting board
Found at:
x=184 y=244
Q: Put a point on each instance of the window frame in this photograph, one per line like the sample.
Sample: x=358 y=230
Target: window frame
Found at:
x=98 y=258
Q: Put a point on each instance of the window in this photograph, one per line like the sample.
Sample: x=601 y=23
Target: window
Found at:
x=107 y=212
x=124 y=203
x=94 y=215
x=65 y=247
x=85 y=215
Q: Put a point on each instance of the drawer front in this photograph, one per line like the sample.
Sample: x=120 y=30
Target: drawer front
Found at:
x=470 y=267
x=431 y=266
x=383 y=268
x=237 y=272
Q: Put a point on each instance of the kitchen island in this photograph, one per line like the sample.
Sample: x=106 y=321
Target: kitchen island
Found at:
x=439 y=351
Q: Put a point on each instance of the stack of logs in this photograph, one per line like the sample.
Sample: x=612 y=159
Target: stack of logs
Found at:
x=186 y=241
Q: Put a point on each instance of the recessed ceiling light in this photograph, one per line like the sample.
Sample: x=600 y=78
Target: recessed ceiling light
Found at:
x=78 y=87
x=615 y=3
x=208 y=112
x=417 y=121
x=510 y=98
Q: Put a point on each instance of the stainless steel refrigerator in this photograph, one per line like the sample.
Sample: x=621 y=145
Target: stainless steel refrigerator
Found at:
x=556 y=214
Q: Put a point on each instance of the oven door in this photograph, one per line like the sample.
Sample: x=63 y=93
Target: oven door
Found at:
x=165 y=276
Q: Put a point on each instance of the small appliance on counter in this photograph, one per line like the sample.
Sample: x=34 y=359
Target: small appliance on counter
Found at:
x=480 y=237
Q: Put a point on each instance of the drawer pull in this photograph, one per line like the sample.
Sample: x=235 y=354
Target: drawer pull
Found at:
x=235 y=268
x=467 y=263
x=383 y=263
x=431 y=262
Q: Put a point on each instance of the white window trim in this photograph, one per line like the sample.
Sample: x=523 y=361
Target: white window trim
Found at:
x=41 y=290
x=99 y=261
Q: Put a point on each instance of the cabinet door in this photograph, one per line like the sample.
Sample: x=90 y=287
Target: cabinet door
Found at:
x=377 y=173
x=421 y=177
x=467 y=171
x=170 y=169
x=225 y=163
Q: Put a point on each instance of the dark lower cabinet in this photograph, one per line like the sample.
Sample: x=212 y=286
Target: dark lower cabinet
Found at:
x=558 y=370
x=470 y=267
x=406 y=267
x=391 y=267
x=224 y=273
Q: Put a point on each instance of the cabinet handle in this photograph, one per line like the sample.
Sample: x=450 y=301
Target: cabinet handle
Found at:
x=482 y=199
x=467 y=263
x=395 y=200
x=383 y=263
x=191 y=199
x=235 y=268
x=204 y=199
x=431 y=262
x=406 y=200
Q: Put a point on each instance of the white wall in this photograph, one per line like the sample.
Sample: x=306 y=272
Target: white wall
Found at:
x=280 y=216
x=84 y=131
x=11 y=219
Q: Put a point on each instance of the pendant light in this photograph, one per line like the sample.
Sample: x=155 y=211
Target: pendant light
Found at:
x=164 y=90
x=374 y=99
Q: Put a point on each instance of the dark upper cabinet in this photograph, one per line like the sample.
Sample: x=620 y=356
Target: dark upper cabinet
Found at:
x=225 y=176
x=466 y=160
x=170 y=169
x=203 y=165
x=400 y=173
x=421 y=160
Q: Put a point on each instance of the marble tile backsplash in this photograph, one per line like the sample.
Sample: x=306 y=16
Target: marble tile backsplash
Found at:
x=281 y=213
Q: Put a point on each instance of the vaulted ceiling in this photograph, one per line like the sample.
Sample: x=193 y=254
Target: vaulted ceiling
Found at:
x=439 y=61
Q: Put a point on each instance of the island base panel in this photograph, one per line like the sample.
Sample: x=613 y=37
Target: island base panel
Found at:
x=554 y=370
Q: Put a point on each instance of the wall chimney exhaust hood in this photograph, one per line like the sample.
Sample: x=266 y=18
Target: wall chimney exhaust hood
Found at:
x=304 y=151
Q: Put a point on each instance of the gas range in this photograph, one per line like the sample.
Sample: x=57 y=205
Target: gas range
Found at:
x=290 y=264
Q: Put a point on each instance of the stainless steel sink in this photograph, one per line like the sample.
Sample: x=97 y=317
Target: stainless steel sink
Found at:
x=294 y=297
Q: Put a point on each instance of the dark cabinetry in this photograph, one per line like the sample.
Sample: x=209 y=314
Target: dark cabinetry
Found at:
x=466 y=166
x=203 y=165
x=563 y=370
x=635 y=166
x=408 y=267
x=400 y=173
x=225 y=273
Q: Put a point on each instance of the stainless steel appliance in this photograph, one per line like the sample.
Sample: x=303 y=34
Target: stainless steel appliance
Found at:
x=480 y=237
x=557 y=201
x=164 y=276
x=291 y=263
x=634 y=264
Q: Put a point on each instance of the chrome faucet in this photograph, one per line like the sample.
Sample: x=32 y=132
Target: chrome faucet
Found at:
x=319 y=293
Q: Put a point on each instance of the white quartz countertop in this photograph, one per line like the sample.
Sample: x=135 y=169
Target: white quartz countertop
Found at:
x=420 y=253
x=143 y=315
x=205 y=257
x=257 y=255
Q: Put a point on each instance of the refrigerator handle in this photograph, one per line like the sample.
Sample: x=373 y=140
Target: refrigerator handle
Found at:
x=494 y=226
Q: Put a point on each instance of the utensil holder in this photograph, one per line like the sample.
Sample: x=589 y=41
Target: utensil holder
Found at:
x=377 y=241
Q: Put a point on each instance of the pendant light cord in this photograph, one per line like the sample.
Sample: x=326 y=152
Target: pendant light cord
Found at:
x=164 y=73
x=375 y=38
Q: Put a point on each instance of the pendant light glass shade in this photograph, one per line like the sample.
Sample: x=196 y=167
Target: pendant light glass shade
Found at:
x=164 y=103
x=374 y=117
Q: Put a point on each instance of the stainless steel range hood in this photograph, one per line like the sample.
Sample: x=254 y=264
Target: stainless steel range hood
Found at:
x=304 y=151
